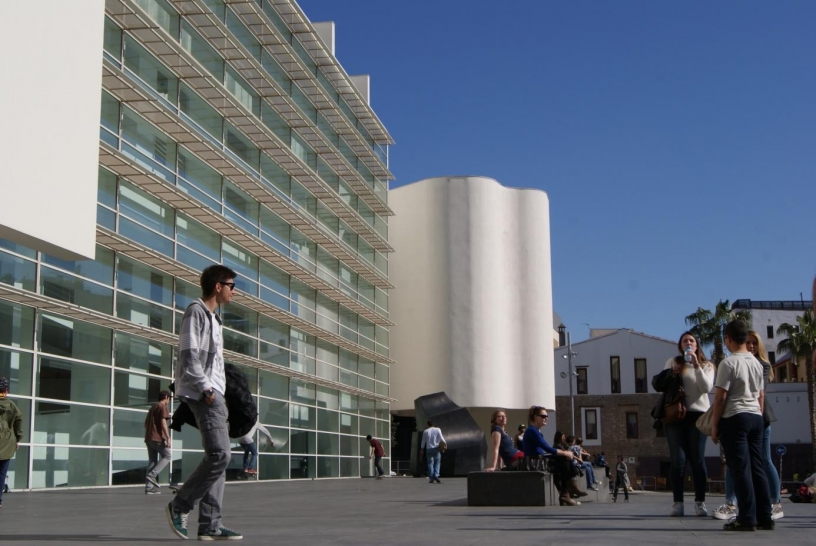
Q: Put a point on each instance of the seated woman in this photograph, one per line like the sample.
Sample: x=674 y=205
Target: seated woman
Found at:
x=503 y=450
x=535 y=446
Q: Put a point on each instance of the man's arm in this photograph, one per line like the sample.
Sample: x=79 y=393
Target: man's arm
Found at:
x=165 y=432
x=720 y=396
x=762 y=401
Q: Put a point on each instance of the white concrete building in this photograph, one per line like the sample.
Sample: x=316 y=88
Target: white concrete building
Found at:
x=473 y=299
x=766 y=317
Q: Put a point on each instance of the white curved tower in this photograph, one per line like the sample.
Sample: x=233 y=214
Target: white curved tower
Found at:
x=473 y=297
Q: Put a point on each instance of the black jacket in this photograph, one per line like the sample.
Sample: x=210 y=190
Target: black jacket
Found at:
x=668 y=385
x=243 y=413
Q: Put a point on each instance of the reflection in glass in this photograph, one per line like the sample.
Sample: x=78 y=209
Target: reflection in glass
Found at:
x=56 y=423
x=56 y=466
x=16 y=367
x=143 y=355
x=129 y=429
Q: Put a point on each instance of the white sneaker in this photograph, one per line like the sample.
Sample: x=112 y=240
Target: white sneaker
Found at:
x=593 y=488
x=700 y=510
x=777 y=512
x=726 y=512
x=677 y=510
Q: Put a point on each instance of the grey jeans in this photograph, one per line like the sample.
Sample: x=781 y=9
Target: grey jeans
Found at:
x=159 y=456
x=206 y=483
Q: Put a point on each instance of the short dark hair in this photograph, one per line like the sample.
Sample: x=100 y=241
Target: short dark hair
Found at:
x=430 y=423
x=164 y=394
x=570 y=439
x=737 y=330
x=213 y=275
x=368 y=437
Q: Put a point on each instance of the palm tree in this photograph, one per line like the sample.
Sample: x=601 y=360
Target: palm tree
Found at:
x=708 y=326
x=801 y=344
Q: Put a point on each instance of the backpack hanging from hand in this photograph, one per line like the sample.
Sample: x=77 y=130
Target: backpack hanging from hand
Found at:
x=675 y=409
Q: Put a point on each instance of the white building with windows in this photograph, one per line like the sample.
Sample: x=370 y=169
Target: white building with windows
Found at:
x=151 y=139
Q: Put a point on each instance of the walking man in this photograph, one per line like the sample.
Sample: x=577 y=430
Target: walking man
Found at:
x=11 y=432
x=739 y=397
x=377 y=452
x=201 y=384
x=157 y=440
x=432 y=439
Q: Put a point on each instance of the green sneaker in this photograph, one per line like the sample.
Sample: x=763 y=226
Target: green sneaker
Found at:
x=222 y=533
x=177 y=521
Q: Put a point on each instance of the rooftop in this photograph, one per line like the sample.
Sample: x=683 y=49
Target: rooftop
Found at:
x=791 y=305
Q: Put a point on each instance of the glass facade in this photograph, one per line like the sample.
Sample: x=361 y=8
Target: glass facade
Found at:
x=306 y=230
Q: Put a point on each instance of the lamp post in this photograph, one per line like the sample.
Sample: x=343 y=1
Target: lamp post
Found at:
x=571 y=375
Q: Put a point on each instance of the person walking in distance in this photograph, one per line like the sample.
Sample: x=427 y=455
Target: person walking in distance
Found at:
x=247 y=442
x=201 y=383
x=157 y=440
x=431 y=440
x=377 y=453
x=621 y=480
x=11 y=432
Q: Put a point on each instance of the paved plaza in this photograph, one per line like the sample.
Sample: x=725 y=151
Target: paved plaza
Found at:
x=392 y=511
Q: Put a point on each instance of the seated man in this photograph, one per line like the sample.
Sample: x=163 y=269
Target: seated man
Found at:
x=586 y=467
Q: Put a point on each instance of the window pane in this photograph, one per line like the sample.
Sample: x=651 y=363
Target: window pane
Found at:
x=301 y=392
x=109 y=114
x=198 y=110
x=242 y=147
x=141 y=280
x=143 y=355
x=241 y=208
x=68 y=466
x=99 y=269
x=243 y=34
x=240 y=318
x=150 y=147
x=144 y=313
x=273 y=412
x=201 y=50
x=244 y=92
x=16 y=367
x=72 y=381
x=16 y=325
x=137 y=391
x=17 y=272
x=150 y=70
x=145 y=209
x=274 y=175
x=202 y=177
x=275 y=123
x=277 y=229
x=274 y=385
x=302 y=417
x=113 y=38
x=58 y=423
x=74 y=339
x=243 y=262
x=240 y=344
x=161 y=12
x=196 y=236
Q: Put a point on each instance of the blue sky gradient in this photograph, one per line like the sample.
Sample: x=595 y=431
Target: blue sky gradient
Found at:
x=676 y=140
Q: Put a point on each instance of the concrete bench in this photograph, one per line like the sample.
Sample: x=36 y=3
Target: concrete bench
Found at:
x=510 y=488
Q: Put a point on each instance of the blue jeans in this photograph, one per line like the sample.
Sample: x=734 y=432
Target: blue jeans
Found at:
x=741 y=436
x=434 y=458
x=250 y=455
x=4 y=466
x=378 y=465
x=770 y=472
x=590 y=474
x=687 y=443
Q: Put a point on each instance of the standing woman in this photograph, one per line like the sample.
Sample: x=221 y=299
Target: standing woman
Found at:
x=686 y=442
x=10 y=433
x=757 y=348
x=503 y=448
x=535 y=445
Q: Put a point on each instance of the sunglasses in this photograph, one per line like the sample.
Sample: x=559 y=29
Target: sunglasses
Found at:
x=230 y=284
x=543 y=415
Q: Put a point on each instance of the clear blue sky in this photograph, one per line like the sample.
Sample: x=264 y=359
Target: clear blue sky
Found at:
x=676 y=140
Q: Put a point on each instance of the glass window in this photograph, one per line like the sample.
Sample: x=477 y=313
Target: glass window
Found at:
x=17 y=272
x=328 y=444
x=251 y=375
x=244 y=263
x=381 y=372
x=137 y=391
x=69 y=466
x=16 y=325
x=150 y=70
x=202 y=51
x=106 y=189
x=146 y=209
x=641 y=382
x=348 y=402
x=128 y=466
x=242 y=91
x=275 y=279
x=146 y=282
x=274 y=340
x=242 y=147
x=274 y=385
x=218 y=7
x=241 y=208
x=240 y=318
x=349 y=445
x=275 y=231
x=199 y=180
x=186 y=293
x=144 y=355
x=328 y=398
x=302 y=417
x=198 y=110
x=277 y=73
x=62 y=286
x=73 y=382
x=614 y=374
x=348 y=324
x=143 y=312
x=197 y=236
x=161 y=12
x=273 y=412
x=243 y=34
x=74 y=339
x=274 y=176
x=302 y=150
x=112 y=41
x=328 y=267
x=240 y=344
x=327 y=313
x=631 y=425
x=99 y=269
x=303 y=300
x=275 y=123
x=109 y=115
x=300 y=391
x=328 y=421
x=279 y=24
x=582 y=386
x=17 y=368
x=591 y=422
x=303 y=102
x=148 y=146
x=303 y=250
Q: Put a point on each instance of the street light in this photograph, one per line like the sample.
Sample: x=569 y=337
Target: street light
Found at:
x=572 y=374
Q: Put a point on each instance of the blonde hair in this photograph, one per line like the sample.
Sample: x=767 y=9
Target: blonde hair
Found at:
x=496 y=416
x=763 y=354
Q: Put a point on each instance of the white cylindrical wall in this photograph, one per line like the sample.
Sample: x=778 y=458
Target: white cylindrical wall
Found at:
x=473 y=297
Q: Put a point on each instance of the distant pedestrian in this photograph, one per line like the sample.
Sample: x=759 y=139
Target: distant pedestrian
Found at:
x=621 y=480
x=377 y=453
x=432 y=439
x=520 y=437
x=251 y=450
x=157 y=440
x=11 y=432
x=201 y=384
x=600 y=462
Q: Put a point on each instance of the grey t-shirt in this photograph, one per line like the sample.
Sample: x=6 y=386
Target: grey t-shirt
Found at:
x=741 y=375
